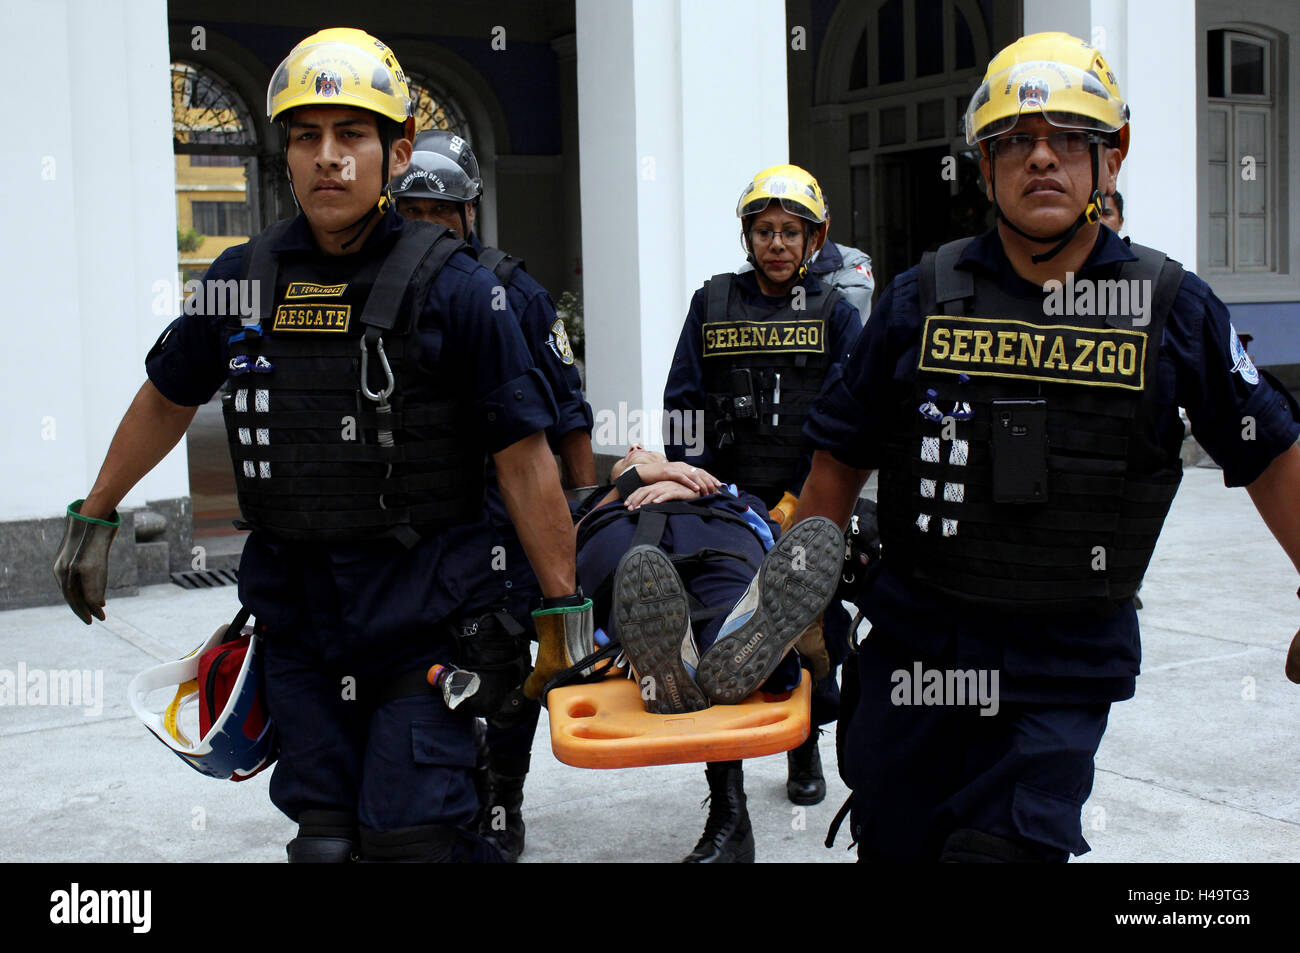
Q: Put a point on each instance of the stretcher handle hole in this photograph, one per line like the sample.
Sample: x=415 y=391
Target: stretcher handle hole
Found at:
x=582 y=709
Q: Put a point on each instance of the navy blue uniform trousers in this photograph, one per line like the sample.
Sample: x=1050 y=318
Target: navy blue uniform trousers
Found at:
x=920 y=772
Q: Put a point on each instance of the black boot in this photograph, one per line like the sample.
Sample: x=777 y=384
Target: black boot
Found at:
x=324 y=837
x=728 y=837
x=502 y=816
x=805 y=784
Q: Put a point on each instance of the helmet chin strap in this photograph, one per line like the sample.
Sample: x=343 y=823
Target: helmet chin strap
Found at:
x=1090 y=215
x=382 y=206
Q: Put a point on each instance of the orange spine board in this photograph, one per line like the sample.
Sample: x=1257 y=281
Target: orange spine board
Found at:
x=605 y=725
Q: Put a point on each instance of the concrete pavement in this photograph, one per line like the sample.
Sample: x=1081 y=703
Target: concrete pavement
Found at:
x=1201 y=766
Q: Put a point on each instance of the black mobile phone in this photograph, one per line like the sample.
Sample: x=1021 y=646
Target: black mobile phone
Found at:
x=1019 y=448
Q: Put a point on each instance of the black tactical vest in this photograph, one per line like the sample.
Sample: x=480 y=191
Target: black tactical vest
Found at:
x=315 y=457
x=992 y=498
x=762 y=371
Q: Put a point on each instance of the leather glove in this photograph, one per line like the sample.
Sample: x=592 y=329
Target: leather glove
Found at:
x=783 y=512
x=565 y=636
x=812 y=646
x=81 y=566
x=1293 y=656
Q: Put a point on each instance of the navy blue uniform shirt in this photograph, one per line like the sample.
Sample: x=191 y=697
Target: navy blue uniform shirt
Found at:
x=684 y=391
x=1056 y=657
x=548 y=344
x=380 y=591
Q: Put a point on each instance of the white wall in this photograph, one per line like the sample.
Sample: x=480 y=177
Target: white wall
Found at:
x=1158 y=178
x=1151 y=46
x=1066 y=16
x=90 y=221
x=680 y=102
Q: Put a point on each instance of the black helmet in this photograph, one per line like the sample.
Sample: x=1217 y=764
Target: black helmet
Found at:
x=432 y=175
x=453 y=147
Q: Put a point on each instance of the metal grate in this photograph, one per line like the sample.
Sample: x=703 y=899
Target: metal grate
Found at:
x=206 y=578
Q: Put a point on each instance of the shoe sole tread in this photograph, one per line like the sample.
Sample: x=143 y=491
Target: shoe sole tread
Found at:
x=651 y=611
x=790 y=599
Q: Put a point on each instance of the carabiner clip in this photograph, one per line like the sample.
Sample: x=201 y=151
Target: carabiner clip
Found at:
x=383 y=395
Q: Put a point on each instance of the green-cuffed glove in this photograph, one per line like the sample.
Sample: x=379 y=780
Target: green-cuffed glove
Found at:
x=81 y=566
x=566 y=634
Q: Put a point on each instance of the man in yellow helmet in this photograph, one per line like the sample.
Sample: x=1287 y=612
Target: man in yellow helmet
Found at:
x=752 y=355
x=367 y=390
x=1028 y=450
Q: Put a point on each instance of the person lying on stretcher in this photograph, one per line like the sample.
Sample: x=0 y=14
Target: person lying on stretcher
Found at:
x=685 y=574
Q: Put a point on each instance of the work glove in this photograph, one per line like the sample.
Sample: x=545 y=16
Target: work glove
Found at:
x=783 y=512
x=81 y=566
x=565 y=636
x=812 y=646
x=1293 y=657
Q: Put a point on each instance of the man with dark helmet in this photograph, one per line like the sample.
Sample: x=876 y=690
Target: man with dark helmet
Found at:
x=1028 y=455
x=367 y=396
x=442 y=185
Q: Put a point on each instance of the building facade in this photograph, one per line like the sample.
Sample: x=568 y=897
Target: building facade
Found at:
x=614 y=137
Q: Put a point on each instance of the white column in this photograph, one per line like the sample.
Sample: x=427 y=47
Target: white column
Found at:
x=90 y=208
x=680 y=103
x=1052 y=16
x=1158 y=179
x=1151 y=46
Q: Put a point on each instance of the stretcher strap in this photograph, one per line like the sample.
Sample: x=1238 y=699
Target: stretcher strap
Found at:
x=573 y=674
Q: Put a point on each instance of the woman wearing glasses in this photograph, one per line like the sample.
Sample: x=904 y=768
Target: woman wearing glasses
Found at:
x=751 y=359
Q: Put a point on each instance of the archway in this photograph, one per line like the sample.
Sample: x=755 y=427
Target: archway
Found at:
x=901 y=73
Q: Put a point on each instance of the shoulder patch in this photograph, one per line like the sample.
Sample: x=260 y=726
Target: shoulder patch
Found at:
x=559 y=342
x=1241 y=362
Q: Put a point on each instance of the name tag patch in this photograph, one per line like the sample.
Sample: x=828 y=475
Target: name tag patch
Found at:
x=776 y=337
x=993 y=347
x=312 y=317
x=308 y=289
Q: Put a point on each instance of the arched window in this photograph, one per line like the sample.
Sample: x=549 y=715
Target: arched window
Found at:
x=435 y=108
x=216 y=149
x=941 y=42
x=904 y=71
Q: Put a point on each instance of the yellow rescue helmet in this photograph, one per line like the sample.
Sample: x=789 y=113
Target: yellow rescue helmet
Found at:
x=1056 y=75
x=796 y=190
x=341 y=66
